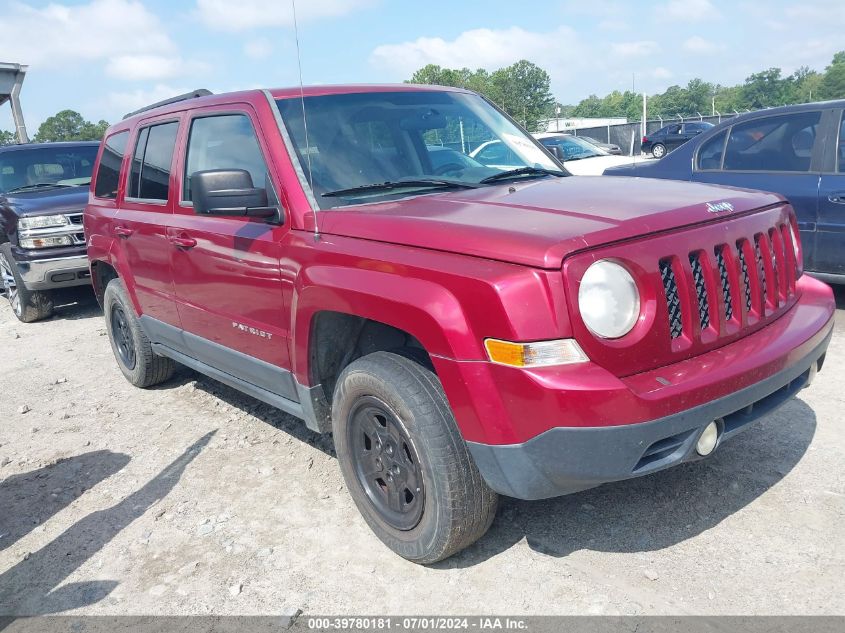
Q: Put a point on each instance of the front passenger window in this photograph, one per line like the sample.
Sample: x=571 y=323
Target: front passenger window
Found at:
x=224 y=142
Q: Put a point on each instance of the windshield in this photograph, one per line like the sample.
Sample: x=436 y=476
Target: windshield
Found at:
x=434 y=140
x=46 y=166
x=572 y=147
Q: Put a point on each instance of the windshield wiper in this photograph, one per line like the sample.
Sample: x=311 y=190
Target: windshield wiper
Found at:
x=401 y=184
x=38 y=185
x=520 y=171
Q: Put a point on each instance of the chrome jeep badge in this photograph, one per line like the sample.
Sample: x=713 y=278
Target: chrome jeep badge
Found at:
x=719 y=207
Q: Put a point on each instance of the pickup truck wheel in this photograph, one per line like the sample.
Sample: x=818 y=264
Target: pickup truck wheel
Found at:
x=404 y=461
x=132 y=349
x=28 y=305
x=658 y=150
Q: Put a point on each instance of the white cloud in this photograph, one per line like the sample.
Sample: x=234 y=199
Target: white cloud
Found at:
x=635 y=49
x=258 y=48
x=152 y=67
x=57 y=34
x=480 y=48
x=661 y=73
x=614 y=25
x=132 y=100
x=686 y=11
x=226 y=15
x=698 y=45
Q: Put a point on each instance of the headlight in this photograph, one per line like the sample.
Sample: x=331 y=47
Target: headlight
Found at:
x=608 y=299
x=46 y=242
x=43 y=222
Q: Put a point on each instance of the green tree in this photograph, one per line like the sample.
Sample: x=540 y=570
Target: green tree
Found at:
x=69 y=125
x=832 y=84
x=766 y=89
x=7 y=138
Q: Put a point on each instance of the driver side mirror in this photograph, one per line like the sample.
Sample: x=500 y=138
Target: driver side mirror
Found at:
x=229 y=192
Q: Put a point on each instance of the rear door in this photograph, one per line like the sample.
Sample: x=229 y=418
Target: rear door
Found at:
x=227 y=269
x=673 y=137
x=780 y=153
x=830 y=234
x=143 y=215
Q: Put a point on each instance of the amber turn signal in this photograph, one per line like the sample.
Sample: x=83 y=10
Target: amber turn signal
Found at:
x=539 y=354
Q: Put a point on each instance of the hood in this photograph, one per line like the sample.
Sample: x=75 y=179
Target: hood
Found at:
x=47 y=202
x=540 y=222
x=595 y=165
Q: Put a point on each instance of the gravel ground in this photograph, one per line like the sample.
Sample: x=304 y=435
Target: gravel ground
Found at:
x=193 y=499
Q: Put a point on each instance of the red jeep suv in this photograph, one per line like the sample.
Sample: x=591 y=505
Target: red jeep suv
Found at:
x=462 y=330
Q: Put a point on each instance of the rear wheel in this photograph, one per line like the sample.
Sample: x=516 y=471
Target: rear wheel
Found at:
x=132 y=349
x=28 y=305
x=658 y=150
x=404 y=461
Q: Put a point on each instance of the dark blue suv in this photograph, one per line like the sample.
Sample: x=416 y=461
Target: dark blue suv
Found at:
x=796 y=151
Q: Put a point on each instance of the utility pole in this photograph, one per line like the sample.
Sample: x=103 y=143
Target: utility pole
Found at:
x=644 y=114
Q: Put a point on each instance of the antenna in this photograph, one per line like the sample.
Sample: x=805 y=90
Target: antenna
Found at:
x=304 y=119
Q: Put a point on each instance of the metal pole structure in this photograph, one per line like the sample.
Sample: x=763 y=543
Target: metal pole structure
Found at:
x=11 y=81
x=644 y=114
x=719 y=114
x=463 y=144
x=713 y=103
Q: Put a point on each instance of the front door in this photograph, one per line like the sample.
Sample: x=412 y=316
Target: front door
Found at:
x=779 y=153
x=227 y=269
x=830 y=236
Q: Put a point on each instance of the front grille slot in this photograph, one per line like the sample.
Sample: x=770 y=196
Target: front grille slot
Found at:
x=761 y=269
x=673 y=299
x=700 y=290
x=746 y=281
x=724 y=278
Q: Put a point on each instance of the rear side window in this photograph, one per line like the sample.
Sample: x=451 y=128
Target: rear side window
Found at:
x=776 y=143
x=224 y=142
x=840 y=146
x=710 y=153
x=108 y=174
x=149 y=178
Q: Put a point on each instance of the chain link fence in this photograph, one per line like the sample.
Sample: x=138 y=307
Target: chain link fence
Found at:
x=628 y=136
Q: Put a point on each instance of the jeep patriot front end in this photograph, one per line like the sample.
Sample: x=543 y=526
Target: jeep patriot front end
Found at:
x=463 y=326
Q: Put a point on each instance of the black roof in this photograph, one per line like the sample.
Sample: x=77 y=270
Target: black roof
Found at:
x=12 y=148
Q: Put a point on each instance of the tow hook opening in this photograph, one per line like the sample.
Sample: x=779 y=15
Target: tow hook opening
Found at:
x=709 y=438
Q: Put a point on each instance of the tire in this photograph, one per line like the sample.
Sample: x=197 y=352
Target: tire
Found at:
x=658 y=150
x=132 y=349
x=451 y=506
x=28 y=305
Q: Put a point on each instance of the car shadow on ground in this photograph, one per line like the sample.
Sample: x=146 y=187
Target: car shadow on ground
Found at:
x=656 y=511
x=839 y=293
x=29 y=499
x=75 y=303
x=32 y=586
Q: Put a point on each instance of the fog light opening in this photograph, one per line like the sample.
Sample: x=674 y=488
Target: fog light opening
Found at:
x=708 y=439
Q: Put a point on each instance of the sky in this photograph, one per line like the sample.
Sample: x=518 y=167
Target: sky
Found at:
x=104 y=58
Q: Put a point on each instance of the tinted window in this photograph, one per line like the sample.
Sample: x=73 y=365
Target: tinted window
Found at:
x=777 y=143
x=155 y=173
x=137 y=161
x=710 y=153
x=108 y=173
x=224 y=142
x=840 y=148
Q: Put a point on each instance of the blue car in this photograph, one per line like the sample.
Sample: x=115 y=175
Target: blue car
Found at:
x=796 y=151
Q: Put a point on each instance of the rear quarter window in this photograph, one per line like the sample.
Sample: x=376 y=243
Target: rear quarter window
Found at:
x=710 y=153
x=108 y=174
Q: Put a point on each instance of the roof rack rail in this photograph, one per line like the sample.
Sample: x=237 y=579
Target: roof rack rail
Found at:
x=201 y=92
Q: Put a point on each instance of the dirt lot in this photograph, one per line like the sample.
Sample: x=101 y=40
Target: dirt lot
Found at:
x=193 y=499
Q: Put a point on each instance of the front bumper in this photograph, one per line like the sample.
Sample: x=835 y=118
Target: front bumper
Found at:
x=564 y=460
x=59 y=272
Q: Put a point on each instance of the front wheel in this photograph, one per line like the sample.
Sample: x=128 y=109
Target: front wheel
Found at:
x=404 y=461
x=28 y=305
x=659 y=150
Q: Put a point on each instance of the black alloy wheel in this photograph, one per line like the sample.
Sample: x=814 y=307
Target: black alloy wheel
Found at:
x=386 y=463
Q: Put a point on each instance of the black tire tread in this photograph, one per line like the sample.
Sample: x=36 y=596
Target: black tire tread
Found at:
x=36 y=305
x=468 y=504
x=150 y=368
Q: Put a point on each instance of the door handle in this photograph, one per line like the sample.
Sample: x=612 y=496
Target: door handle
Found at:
x=183 y=241
x=122 y=231
x=837 y=197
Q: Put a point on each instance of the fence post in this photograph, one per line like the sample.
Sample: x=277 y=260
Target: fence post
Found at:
x=608 y=132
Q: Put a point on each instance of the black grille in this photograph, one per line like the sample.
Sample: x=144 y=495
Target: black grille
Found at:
x=761 y=270
x=746 y=282
x=673 y=300
x=726 y=282
x=700 y=290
